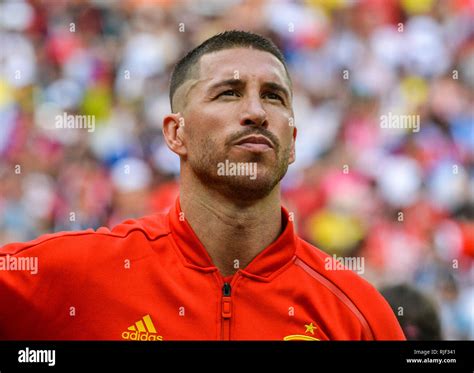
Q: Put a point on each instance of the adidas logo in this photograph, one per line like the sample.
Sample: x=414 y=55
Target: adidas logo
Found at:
x=143 y=330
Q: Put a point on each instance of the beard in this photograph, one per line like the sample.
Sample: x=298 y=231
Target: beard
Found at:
x=207 y=156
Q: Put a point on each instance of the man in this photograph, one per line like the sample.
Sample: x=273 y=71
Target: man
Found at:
x=225 y=263
x=420 y=319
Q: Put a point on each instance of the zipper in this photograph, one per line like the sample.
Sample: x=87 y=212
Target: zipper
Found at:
x=226 y=310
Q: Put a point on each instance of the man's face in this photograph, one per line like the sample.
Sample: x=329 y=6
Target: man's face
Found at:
x=238 y=111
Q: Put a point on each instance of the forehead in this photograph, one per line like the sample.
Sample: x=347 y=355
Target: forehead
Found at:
x=246 y=62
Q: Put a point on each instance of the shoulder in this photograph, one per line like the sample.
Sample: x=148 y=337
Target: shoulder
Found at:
x=340 y=272
x=341 y=277
x=150 y=228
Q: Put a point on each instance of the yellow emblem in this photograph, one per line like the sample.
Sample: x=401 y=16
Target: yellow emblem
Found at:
x=303 y=337
x=142 y=330
x=310 y=328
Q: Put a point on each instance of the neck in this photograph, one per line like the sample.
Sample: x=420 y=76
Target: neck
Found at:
x=233 y=233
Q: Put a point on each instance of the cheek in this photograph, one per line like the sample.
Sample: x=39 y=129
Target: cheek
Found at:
x=199 y=121
x=194 y=128
x=200 y=140
x=284 y=130
x=208 y=128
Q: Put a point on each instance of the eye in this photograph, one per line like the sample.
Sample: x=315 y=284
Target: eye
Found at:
x=229 y=92
x=273 y=96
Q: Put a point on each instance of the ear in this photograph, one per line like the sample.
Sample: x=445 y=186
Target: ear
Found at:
x=292 y=149
x=173 y=127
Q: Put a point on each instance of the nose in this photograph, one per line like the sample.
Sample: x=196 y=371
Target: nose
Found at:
x=253 y=113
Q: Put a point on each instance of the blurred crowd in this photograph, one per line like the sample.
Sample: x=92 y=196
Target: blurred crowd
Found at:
x=400 y=198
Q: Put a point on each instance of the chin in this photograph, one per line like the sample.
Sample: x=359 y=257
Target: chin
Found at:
x=245 y=188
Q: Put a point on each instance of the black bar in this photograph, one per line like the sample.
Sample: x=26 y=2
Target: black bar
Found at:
x=317 y=356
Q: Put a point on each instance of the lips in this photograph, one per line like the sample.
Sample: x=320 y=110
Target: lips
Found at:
x=258 y=140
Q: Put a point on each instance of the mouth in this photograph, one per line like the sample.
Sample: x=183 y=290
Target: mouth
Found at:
x=255 y=143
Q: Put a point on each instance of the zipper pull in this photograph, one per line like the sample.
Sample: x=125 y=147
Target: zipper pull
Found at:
x=226 y=289
x=226 y=301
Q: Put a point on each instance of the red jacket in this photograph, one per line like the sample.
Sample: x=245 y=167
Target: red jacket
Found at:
x=151 y=279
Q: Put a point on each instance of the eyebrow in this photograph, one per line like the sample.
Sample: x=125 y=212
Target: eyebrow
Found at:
x=240 y=83
x=227 y=83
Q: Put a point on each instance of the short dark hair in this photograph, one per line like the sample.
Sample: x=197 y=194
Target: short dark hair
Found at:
x=419 y=318
x=224 y=40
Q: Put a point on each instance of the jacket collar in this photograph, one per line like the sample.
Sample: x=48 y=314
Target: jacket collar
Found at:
x=266 y=264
